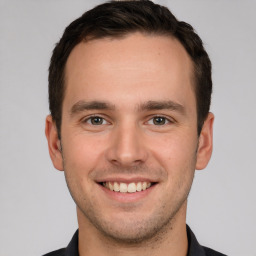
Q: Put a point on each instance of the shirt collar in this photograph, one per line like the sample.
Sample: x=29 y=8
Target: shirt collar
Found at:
x=72 y=249
x=194 y=248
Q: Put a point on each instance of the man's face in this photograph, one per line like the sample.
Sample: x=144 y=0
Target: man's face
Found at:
x=129 y=122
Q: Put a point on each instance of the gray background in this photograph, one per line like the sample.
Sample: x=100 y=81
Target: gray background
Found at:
x=37 y=213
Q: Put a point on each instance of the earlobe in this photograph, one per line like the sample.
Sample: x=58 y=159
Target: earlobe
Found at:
x=205 y=143
x=54 y=145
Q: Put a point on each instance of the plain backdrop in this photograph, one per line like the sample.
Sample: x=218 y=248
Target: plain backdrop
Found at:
x=37 y=213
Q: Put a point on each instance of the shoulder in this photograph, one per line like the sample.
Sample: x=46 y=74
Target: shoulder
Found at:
x=60 y=252
x=211 y=252
x=71 y=249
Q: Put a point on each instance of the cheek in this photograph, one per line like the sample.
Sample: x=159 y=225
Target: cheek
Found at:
x=81 y=157
x=174 y=150
x=82 y=153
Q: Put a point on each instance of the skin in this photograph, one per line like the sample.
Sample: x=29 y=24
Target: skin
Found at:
x=128 y=142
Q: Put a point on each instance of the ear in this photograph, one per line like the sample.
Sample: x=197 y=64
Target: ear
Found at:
x=54 y=145
x=204 y=150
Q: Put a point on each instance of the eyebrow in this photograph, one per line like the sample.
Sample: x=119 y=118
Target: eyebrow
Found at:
x=81 y=106
x=161 y=105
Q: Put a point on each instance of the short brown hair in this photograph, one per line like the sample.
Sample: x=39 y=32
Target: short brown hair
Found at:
x=116 y=19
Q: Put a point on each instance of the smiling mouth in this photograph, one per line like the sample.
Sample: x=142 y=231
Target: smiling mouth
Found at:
x=132 y=187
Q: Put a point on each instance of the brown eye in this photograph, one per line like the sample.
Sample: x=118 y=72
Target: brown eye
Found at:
x=96 y=120
x=159 y=120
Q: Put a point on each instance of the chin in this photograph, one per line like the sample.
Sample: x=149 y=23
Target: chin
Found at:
x=132 y=230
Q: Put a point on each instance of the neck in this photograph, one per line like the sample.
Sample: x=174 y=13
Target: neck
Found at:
x=170 y=241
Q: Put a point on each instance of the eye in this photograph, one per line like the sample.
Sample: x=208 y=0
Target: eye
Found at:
x=158 y=120
x=95 y=120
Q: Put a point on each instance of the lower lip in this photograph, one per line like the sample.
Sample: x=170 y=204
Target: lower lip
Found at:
x=127 y=197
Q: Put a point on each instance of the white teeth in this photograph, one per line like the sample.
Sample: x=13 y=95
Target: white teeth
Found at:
x=139 y=186
x=111 y=187
x=131 y=188
x=116 y=187
x=124 y=187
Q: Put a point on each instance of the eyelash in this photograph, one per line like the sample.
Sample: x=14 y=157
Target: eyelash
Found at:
x=165 y=119
x=90 y=118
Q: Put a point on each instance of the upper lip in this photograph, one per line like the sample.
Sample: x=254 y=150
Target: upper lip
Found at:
x=126 y=179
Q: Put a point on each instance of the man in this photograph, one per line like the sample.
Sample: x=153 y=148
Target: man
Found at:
x=129 y=92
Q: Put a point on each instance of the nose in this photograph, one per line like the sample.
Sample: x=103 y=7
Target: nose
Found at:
x=127 y=147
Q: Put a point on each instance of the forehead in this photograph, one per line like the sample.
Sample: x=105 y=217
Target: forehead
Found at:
x=140 y=63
